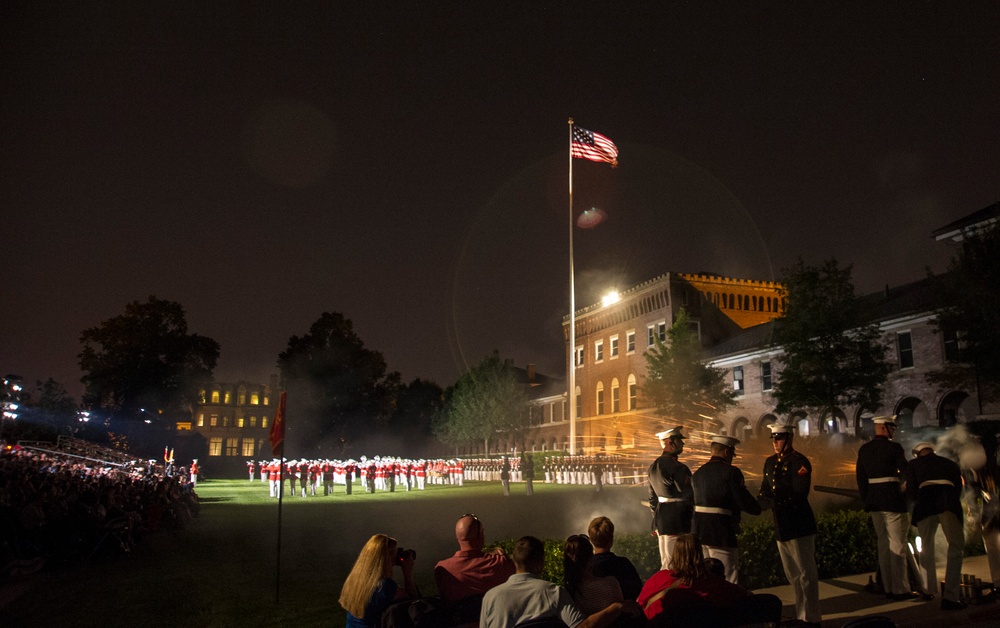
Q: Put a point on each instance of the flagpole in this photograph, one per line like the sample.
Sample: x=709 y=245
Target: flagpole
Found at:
x=281 y=492
x=278 y=432
x=572 y=309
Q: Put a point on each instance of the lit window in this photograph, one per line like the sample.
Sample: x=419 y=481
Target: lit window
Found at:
x=215 y=396
x=215 y=446
x=630 y=342
x=239 y=421
x=227 y=397
x=254 y=399
x=765 y=376
x=266 y=401
x=613 y=348
x=214 y=420
x=201 y=396
x=248 y=447
x=263 y=421
x=904 y=343
x=738 y=385
x=654 y=331
x=242 y=399
x=201 y=419
x=598 y=351
x=253 y=421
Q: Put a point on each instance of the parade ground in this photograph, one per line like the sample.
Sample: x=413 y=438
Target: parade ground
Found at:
x=225 y=569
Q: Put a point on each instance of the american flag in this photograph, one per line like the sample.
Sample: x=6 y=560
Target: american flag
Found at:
x=593 y=146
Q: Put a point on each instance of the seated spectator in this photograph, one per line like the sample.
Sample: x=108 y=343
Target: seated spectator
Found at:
x=527 y=597
x=591 y=593
x=602 y=534
x=690 y=584
x=370 y=589
x=471 y=571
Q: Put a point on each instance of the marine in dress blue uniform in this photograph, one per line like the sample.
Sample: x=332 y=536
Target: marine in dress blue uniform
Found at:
x=934 y=485
x=671 y=498
x=879 y=471
x=720 y=495
x=785 y=491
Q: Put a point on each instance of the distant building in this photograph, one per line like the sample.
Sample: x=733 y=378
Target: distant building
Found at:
x=611 y=341
x=905 y=316
x=734 y=319
x=235 y=420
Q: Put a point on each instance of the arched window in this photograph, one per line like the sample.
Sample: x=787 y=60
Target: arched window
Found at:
x=632 y=392
x=615 y=401
x=600 y=398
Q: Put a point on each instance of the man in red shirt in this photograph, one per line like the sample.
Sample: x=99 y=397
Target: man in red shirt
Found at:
x=471 y=571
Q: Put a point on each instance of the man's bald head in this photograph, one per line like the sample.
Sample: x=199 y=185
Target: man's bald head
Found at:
x=469 y=533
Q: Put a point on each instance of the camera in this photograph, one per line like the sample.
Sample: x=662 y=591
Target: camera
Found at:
x=402 y=554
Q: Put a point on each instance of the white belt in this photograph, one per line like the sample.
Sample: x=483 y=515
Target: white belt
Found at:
x=713 y=510
x=933 y=482
x=668 y=500
x=883 y=480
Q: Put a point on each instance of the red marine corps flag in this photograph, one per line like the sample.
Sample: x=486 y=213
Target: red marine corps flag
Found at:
x=278 y=428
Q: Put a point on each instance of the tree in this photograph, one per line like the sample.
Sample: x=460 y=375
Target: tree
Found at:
x=830 y=357
x=338 y=390
x=678 y=384
x=146 y=358
x=50 y=404
x=487 y=400
x=417 y=404
x=969 y=314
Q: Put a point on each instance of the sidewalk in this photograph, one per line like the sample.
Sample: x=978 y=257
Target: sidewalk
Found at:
x=845 y=599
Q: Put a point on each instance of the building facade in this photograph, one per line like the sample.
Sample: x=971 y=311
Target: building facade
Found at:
x=611 y=342
x=235 y=421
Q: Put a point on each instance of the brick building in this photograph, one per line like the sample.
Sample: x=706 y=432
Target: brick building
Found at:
x=235 y=421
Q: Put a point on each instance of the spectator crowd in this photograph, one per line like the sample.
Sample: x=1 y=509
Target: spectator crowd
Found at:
x=57 y=507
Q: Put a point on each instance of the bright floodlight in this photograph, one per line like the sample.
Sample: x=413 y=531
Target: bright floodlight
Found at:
x=610 y=299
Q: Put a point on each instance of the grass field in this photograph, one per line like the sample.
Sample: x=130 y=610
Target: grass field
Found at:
x=221 y=570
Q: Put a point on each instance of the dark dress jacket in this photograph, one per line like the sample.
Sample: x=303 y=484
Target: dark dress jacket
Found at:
x=720 y=485
x=881 y=460
x=670 y=479
x=934 y=485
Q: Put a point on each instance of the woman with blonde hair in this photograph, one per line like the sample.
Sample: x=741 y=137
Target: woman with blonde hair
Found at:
x=369 y=588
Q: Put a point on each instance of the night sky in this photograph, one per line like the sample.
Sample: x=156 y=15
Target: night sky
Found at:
x=406 y=165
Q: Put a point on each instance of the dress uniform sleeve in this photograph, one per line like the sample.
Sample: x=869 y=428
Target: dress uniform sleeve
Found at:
x=682 y=484
x=801 y=477
x=744 y=499
x=862 y=477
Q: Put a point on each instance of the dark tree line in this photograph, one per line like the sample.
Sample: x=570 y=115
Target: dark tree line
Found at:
x=145 y=367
